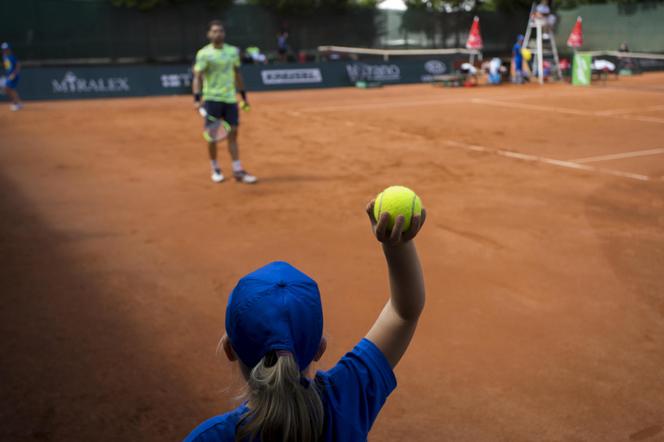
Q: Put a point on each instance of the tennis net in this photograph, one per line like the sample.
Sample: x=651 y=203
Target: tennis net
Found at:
x=370 y=54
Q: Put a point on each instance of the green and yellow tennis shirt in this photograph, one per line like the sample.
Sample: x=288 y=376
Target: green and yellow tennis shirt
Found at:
x=218 y=68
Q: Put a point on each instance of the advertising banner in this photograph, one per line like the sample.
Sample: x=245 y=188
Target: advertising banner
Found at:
x=103 y=82
x=581 y=69
x=53 y=83
x=291 y=76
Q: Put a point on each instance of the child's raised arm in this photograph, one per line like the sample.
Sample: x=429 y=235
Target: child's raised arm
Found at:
x=396 y=324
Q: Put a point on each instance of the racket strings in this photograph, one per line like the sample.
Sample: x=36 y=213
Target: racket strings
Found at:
x=216 y=129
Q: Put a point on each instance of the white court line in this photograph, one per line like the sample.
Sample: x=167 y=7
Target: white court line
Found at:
x=551 y=161
x=647 y=89
x=563 y=110
x=502 y=152
x=560 y=110
x=630 y=111
x=645 y=119
x=617 y=156
x=379 y=105
x=390 y=104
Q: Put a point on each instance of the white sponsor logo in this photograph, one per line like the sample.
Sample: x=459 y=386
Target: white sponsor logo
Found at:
x=373 y=72
x=71 y=83
x=176 y=80
x=291 y=76
x=435 y=67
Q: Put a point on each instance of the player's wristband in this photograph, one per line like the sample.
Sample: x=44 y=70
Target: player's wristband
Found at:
x=197 y=98
x=243 y=94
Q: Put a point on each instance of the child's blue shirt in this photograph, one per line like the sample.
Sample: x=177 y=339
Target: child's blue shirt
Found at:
x=353 y=392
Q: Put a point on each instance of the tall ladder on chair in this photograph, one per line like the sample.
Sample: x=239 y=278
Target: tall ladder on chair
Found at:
x=539 y=24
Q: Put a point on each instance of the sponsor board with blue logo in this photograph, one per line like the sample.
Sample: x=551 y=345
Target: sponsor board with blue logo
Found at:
x=150 y=80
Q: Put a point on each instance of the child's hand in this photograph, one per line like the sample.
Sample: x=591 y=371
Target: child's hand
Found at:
x=395 y=236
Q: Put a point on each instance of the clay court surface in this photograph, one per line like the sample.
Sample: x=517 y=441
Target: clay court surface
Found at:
x=543 y=256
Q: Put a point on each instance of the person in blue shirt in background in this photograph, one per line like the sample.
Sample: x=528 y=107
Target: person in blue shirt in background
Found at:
x=12 y=70
x=274 y=331
x=517 y=61
x=282 y=45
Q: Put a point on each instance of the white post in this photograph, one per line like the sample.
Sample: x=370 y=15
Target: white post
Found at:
x=540 y=55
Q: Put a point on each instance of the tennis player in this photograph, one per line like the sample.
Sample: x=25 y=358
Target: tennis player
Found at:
x=12 y=69
x=274 y=332
x=217 y=71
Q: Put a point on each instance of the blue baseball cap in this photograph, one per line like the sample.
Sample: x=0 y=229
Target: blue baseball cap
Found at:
x=276 y=307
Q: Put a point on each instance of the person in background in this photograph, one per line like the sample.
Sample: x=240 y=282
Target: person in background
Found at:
x=565 y=67
x=254 y=54
x=543 y=12
x=627 y=64
x=495 y=68
x=302 y=57
x=282 y=45
x=517 y=61
x=527 y=58
x=470 y=74
x=12 y=70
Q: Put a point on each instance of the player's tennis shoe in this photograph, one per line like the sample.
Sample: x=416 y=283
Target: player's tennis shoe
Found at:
x=217 y=176
x=241 y=176
x=16 y=107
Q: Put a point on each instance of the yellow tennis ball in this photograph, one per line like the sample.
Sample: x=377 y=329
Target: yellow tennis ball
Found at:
x=397 y=200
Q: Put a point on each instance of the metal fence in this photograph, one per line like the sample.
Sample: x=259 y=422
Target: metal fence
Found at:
x=94 y=30
x=606 y=26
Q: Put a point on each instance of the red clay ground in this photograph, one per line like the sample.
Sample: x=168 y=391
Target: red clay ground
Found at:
x=545 y=312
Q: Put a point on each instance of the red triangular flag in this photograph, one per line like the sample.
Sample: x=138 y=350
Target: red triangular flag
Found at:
x=474 y=37
x=575 y=39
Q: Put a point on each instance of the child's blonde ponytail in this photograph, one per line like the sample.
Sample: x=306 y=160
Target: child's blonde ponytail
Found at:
x=283 y=406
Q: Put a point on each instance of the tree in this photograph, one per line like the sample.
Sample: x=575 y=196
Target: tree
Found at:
x=146 y=5
x=503 y=5
x=439 y=5
x=300 y=6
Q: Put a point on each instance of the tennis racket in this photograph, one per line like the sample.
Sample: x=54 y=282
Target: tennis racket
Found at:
x=216 y=129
